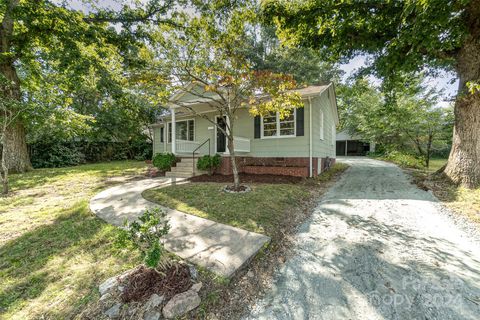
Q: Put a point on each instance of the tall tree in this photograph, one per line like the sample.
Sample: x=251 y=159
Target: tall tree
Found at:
x=46 y=36
x=400 y=36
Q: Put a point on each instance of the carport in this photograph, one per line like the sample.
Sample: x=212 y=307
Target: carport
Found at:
x=348 y=145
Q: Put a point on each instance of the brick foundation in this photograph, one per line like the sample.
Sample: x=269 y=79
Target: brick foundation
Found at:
x=294 y=166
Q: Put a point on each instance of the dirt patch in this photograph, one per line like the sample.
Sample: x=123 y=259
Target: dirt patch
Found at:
x=143 y=282
x=247 y=178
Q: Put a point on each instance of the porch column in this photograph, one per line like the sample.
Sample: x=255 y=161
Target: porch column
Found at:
x=174 y=142
x=346 y=148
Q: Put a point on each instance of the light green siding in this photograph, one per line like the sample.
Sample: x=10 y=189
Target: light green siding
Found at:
x=297 y=146
x=323 y=147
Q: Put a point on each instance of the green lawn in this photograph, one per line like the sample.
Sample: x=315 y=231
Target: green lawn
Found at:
x=53 y=251
x=436 y=164
x=260 y=210
x=263 y=210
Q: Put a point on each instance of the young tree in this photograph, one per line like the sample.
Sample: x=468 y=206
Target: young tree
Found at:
x=401 y=36
x=211 y=55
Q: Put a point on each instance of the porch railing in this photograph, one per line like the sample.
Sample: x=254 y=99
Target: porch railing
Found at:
x=184 y=146
x=241 y=144
x=196 y=149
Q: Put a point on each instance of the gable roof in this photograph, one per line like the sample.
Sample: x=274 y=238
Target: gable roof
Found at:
x=307 y=92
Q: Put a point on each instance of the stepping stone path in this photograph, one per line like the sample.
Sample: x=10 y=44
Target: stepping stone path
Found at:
x=215 y=246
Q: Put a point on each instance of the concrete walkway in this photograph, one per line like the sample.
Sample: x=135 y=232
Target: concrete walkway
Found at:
x=218 y=247
x=377 y=247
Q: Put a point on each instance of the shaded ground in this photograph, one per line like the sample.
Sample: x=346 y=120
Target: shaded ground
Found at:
x=464 y=203
x=53 y=251
x=261 y=210
x=377 y=247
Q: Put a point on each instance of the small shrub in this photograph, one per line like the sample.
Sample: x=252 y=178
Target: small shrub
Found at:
x=404 y=159
x=144 y=235
x=57 y=154
x=209 y=163
x=164 y=161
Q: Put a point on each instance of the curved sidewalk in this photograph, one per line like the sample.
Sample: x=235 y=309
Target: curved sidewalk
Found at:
x=218 y=247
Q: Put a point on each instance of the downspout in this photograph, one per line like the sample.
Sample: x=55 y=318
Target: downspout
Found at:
x=310 y=129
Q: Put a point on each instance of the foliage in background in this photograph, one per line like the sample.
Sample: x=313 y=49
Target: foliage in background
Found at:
x=403 y=159
x=146 y=235
x=164 y=161
x=209 y=163
x=52 y=153
x=407 y=118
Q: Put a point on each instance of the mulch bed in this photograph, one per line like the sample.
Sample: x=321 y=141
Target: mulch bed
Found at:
x=143 y=282
x=247 y=178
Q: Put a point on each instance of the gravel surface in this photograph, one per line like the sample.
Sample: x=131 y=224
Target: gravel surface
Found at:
x=377 y=247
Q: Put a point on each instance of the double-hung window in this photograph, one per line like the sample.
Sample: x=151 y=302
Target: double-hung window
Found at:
x=273 y=126
x=184 y=130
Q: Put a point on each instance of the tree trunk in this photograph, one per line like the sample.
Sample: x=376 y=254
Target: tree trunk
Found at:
x=231 y=149
x=463 y=165
x=429 y=151
x=16 y=153
x=4 y=174
x=17 y=157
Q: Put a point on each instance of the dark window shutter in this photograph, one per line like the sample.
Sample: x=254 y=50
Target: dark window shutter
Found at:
x=256 y=124
x=300 y=121
x=161 y=134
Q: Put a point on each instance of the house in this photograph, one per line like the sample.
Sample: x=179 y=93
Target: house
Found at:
x=301 y=145
x=352 y=145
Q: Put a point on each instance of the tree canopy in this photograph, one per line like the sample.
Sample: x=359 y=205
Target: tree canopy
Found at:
x=400 y=37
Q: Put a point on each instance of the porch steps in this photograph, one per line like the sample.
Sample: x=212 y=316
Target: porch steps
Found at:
x=184 y=169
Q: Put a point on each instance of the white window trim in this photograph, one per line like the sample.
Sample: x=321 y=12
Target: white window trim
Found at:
x=182 y=120
x=278 y=136
x=322 y=125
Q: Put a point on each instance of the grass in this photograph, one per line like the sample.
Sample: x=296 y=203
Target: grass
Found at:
x=258 y=210
x=53 y=251
x=262 y=210
x=436 y=164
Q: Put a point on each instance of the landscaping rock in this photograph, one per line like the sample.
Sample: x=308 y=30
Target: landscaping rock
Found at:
x=196 y=287
x=113 y=312
x=250 y=274
x=106 y=296
x=107 y=285
x=193 y=272
x=154 y=301
x=151 y=315
x=181 y=304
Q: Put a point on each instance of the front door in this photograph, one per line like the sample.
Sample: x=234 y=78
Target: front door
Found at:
x=221 y=139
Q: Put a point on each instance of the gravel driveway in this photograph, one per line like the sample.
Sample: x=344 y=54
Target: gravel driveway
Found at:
x=377 y=247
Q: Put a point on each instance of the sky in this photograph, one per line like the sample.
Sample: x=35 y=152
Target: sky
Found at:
x=446 y=82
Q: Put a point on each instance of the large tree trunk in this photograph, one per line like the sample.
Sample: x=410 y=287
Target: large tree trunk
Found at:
x=16 y=151
x=463 y=165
